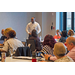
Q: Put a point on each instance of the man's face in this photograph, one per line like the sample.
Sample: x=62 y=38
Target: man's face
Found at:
x=32 y=20
x=58 y=33
x=68 y=33
x=69 y=46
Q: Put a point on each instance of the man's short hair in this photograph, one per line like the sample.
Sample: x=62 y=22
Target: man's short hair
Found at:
x=71 y=39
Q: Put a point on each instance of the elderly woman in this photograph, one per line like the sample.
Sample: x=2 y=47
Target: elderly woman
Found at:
x=48 y=45
x=11 y=44
x=7 y=31
x=59 y=52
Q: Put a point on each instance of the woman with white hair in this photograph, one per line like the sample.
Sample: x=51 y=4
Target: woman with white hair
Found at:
x=60 y=52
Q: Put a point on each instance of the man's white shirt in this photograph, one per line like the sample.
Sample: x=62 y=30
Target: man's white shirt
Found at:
x=30 y=26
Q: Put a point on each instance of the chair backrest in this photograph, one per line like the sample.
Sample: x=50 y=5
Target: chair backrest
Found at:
x=32 y=43
x=23 y=51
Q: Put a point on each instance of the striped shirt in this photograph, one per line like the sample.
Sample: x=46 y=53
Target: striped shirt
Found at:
x=47 y=50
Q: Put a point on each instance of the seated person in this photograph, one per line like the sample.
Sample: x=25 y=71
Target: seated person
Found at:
x=70 y=32
x=57 y=36
x=35 y=37
x=48 y=45
x=60 y=52
x=3 y=36
x=11 y=44
x=63 y=36
x=6 y=32
x=70 y=43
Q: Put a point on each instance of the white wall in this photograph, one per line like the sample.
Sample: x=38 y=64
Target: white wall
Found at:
x=19 y=20
x=16 y=20
x=47 y=20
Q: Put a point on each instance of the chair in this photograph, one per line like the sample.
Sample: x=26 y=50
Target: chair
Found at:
x=31 y=43
x=23 y=51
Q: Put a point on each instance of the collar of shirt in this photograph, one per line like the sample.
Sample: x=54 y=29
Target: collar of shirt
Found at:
x=33 y=23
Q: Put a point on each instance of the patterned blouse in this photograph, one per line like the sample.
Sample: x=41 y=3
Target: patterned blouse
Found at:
x=47 y=50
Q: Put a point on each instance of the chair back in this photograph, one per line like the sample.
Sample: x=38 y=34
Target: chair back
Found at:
x=31 y=43
x=23 y=51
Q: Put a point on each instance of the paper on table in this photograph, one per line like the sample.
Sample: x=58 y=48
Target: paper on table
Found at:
x=24 y=57
x=42 y=59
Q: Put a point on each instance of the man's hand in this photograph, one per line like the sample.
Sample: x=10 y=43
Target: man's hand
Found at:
x=29 y=33
x=46 y=56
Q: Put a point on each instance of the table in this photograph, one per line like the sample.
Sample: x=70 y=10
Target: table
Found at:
x=22 y=59
x=10 y=59
x=1 y=47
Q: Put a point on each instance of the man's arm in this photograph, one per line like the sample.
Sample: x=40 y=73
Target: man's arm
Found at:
x=27 y=27
x=2 y=50
x=39 y=29
x=49 y=57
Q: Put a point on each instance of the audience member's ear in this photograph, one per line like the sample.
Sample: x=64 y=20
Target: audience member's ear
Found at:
x=71 y=44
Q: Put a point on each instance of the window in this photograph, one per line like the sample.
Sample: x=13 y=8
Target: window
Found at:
x=57 y=20
x=74 y=21
x=61 y=21
x=68 y=20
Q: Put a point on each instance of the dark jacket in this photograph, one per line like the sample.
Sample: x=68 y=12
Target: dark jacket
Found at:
x=3 y=37
x=38 y=43
x=63 y=39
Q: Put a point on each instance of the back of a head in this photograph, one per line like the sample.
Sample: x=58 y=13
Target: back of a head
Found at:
x=70 y=32
x=64 y=33
x=59 y=49
x=49 y=40
x=34 y=33
x=57 y=30
x=7 y=30
x=70 y=40
x=12 y=34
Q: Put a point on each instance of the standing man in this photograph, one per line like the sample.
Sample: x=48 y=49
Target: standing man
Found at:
x=33 y=25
